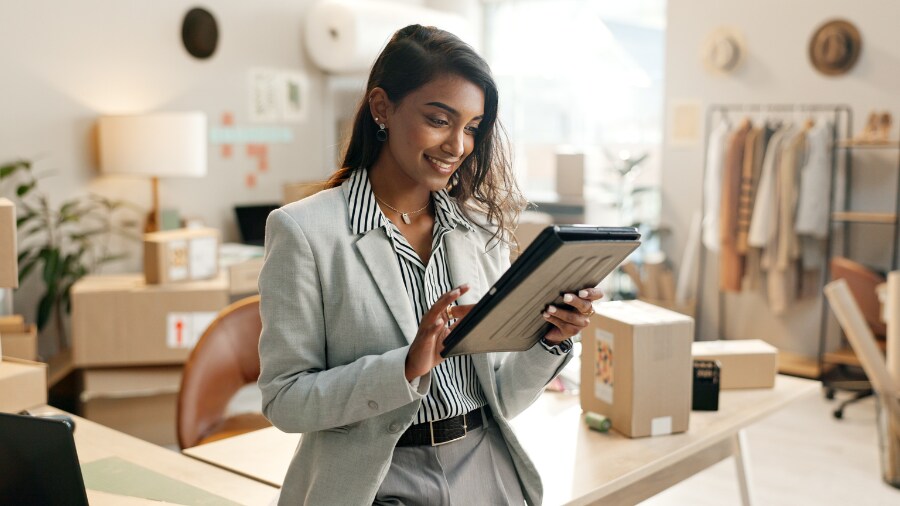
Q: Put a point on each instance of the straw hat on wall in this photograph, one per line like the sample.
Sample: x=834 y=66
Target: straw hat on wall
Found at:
x=834 y=47
x=724 y=49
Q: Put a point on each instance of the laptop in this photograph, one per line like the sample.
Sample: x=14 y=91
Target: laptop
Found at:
x=562 y=259
x=38 y=462
x=251 y=222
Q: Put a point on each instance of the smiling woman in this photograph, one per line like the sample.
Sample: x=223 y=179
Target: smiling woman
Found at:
x=357 y=297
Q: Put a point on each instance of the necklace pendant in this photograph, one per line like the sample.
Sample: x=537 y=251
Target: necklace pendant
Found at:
x=405 y=218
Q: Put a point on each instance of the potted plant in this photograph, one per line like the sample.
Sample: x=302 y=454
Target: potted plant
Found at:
x=62 y=243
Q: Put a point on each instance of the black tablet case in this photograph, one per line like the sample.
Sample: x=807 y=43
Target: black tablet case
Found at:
x=562 y=259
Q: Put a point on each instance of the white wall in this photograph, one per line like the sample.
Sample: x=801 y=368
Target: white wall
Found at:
x=67 y=63
x=777 y=71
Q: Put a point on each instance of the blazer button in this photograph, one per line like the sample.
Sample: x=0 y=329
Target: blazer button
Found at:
x=395 y=428
x=373 y=404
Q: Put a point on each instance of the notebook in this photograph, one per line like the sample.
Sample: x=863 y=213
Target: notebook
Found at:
x=562 y=259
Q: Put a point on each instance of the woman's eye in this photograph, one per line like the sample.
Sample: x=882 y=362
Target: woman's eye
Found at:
x=472 y=130
x=438 y=121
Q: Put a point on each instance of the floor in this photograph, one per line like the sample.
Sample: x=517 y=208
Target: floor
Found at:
x=799 y=455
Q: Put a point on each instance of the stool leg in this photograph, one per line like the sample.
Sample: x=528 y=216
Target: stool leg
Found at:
x=742 y=462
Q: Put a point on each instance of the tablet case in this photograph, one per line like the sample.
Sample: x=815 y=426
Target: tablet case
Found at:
x=562 y=259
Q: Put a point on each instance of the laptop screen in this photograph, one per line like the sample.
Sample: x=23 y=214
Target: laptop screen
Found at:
x=252 y=222
x=38 y=462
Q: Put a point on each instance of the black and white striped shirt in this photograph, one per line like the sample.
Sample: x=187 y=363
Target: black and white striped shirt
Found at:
x=454 y=387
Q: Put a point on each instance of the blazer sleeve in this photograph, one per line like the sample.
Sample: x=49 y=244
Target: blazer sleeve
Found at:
x=522 y=376
x=300 y=393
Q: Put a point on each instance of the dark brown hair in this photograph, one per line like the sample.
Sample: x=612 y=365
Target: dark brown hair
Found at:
x=413 y=57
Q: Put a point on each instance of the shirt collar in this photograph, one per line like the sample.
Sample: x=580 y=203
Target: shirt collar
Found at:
x=365 y=214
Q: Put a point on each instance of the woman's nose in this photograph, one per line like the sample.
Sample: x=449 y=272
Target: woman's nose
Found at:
x=454 y=145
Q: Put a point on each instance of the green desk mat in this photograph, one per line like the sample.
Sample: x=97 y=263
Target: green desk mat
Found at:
x=117 y=476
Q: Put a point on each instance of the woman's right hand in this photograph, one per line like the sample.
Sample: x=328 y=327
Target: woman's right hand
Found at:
x=425 y=351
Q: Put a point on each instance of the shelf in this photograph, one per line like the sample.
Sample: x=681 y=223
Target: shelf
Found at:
x=862 y=217
x=852 y=144
x=846 y=356
x=794 y=364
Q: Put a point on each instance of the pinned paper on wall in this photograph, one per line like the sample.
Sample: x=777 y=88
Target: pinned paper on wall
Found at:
x=183 y=330
x=684 y=128
x=278 y=95
x=261 y=153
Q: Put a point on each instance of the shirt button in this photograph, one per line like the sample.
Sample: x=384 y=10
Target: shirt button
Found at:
x=373 y=404
x=394 y=428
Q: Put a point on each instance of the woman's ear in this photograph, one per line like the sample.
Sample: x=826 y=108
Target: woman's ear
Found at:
x=380 y=106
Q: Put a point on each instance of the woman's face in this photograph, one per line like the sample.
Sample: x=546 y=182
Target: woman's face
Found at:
x=432 y=130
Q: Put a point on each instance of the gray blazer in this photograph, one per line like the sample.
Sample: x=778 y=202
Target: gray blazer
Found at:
x=337 y=325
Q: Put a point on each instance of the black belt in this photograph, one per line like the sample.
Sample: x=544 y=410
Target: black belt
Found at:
x=443 y=431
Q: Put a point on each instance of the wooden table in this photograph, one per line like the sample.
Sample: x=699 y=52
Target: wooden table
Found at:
x=578 y=465
x=94 y=442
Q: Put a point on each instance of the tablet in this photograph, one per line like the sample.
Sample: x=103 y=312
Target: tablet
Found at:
x=562 y=259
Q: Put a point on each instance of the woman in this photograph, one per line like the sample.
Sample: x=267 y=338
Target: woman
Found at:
x=358 y=294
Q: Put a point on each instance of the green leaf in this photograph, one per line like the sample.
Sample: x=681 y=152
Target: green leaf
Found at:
x=112 y=258
x=21 y=220
x=51 y=266
x=25 y=268
x=45 y=307
x=24 y=188
x=8 y=169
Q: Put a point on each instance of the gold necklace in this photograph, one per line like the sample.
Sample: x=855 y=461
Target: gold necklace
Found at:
x=404 y=216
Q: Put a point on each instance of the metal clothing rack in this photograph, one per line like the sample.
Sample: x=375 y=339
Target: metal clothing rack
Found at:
x=842 y=119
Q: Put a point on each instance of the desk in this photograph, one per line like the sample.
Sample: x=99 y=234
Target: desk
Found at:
x=94 y=442
x=578 y=465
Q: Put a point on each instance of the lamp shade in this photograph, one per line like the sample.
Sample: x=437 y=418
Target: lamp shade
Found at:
x=159 y=144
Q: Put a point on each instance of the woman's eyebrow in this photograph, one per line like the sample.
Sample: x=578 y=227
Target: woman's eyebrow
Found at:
x=451 y=110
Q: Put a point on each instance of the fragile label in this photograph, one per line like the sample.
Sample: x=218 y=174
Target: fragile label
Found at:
x=183 y=330
x=603 y=366
x=203 y=257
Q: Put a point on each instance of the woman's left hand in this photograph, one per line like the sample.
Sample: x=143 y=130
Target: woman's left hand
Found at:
x=570 y=321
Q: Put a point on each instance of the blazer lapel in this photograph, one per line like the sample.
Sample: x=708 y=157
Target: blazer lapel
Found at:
x=375 y=249
x=462 y=258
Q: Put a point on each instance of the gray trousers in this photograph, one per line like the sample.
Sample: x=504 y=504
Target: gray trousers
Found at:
x=472 y=471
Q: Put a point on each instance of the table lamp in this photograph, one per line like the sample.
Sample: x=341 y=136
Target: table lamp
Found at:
x=154 y=145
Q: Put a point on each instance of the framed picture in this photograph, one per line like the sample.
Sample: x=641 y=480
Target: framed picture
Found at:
x=265 y=95
x=294 y=97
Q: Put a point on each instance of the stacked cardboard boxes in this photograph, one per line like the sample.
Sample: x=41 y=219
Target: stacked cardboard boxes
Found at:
x=183 y=255
x=19 y=339
x=750 y=363
x=9 y=270
x=23 y=384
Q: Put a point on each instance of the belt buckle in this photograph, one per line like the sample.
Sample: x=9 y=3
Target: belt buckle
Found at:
x=465 y=432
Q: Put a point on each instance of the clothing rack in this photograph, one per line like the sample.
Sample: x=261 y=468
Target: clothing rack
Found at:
x=841 y=117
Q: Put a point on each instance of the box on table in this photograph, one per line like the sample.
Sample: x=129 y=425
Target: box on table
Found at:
x=636 y=368
x=140 y=401
x=120 y=320
x=175 y=256
x=243 y=277
x=23 y=384
x=749 y=363
x=9 y=269
x=20 y=344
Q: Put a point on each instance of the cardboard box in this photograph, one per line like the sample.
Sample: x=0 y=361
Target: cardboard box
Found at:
x=119 y=320
x=243 y=277
x=636 y=368
x=183 y=255
x=23 y=384
x=570 y=168
x=748 y=363
x=9 y=268
x=140 y=401
x=22 y=344
x=293 y=192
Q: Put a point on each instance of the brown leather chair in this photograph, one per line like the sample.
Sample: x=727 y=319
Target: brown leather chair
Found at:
x=225 y=359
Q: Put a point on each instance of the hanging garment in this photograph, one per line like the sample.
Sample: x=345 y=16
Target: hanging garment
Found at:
x=815 y=183
x=783 y=279
x=730 y=261
x=752 y=271
x=712 y=183
x=762 y=226
x=754 y=151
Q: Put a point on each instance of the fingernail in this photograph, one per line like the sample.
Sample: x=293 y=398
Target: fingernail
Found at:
x=439 y=322
x=545 y=315
x=583 y=294
x=568 y=297
x=551 y=309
